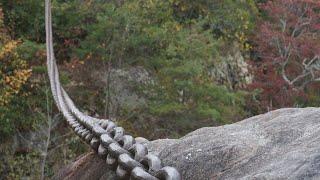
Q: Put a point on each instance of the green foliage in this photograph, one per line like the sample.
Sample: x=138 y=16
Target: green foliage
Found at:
x=229 y=19
x=32 y=52
x=179 y=42
x=186 y=89
x=27 y=163
x=14 y=75
x=20 y=166
x=25 y=19
x=179 y=53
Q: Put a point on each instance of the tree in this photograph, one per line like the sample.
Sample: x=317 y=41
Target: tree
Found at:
x=177 y=51
x=288 y=49
x=233 y=26
x=14 y=75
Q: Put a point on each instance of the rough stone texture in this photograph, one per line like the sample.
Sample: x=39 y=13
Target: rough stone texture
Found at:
x=123 y=83
x=232 y=70
x=282 y=144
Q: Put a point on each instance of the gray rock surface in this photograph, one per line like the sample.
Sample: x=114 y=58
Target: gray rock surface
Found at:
x=282 y=144
x=232 y=70
x=123 y=87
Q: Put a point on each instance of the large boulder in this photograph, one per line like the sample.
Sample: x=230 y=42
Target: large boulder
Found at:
x=282 y=144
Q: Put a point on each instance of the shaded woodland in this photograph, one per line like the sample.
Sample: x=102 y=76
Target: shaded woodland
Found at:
x=158 y=68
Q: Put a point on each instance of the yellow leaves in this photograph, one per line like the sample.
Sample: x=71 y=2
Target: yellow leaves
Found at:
x=8 y=48
x=178 y=27
x=183 y=8
x=88 y=57
x=246 y=27
x=88 y=3
x=247 y=47
x=242 y=37
x=14 y=72
x=172 y=1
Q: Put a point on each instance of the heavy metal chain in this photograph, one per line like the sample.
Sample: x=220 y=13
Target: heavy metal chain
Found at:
x=124 y=154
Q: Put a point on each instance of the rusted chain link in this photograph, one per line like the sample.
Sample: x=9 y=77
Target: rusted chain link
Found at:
x=122 y=153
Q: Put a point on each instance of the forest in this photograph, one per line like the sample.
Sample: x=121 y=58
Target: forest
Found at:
x=158 y=68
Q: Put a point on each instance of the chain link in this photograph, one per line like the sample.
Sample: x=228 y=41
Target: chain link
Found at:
x=122 y=153
x=129 y=159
